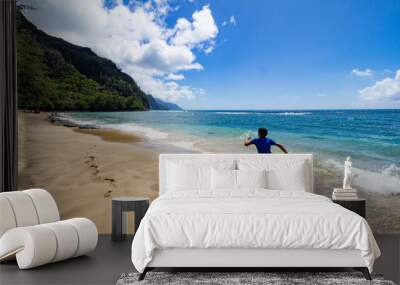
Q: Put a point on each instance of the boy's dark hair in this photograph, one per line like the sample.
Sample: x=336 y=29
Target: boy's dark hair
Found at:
x=262 y=132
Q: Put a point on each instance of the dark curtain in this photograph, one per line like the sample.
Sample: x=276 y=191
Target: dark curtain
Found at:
x=8 y=98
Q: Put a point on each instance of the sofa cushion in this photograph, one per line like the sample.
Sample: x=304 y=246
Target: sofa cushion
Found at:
x=23 y=208
x=33 y=246
x=67 y=239
x=87 y=235
x=46 y=207
x=7 y=220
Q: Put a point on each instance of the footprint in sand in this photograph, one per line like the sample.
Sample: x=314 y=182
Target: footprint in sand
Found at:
x=111 y=181
x=90 y=161
x=107 y=194
x=96 y=171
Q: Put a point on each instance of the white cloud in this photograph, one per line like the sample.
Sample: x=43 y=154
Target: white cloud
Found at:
x=199 y=32
x=322 y=95
x=232 y=20
x=387 y=90
x=362 y=73
x=136 y=37
x=174 y=76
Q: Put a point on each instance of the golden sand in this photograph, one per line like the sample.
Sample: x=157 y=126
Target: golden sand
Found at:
x=84 y=169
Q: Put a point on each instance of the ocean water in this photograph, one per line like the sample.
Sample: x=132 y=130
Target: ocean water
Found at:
x=370 y=137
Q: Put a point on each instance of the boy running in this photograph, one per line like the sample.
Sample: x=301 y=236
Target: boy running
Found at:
x=262 y=143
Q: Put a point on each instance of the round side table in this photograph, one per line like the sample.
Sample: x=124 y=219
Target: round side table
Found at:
x=139 y=205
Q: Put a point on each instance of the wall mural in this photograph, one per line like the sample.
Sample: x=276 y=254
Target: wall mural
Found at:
x=105 y=86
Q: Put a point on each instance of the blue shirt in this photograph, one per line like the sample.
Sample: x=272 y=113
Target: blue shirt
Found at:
x=263 y=145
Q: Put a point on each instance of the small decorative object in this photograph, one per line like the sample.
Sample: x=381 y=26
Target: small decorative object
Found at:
x=347 y=192
x=347 y=174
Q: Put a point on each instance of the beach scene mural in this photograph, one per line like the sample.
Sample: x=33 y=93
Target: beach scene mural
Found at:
x=104 y=87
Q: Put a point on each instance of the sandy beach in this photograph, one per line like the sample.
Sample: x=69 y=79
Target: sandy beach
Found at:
x=84 y=168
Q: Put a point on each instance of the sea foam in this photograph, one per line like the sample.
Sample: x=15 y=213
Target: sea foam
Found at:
x=77 y=121
x=239 y=113
x=265 y=113
x=386 y=181
x=147 y=132
x=291 y=113
x=381 y=182
x=157 y=136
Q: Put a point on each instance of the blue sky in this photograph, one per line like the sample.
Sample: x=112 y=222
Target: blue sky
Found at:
x=273 y=55
x=298 y=54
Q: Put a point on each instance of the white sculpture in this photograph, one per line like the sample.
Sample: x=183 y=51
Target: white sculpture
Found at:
x=347 y=174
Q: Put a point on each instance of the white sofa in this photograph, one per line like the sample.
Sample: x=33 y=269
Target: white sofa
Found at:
x=31 y=230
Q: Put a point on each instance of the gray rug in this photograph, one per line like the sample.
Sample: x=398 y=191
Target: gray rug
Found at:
x=228 y=278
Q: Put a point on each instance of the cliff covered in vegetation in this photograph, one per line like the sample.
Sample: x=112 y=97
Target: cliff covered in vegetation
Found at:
x=54 y=74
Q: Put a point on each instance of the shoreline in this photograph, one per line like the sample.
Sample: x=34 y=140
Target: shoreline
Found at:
x=96 y=166
x=109 y=162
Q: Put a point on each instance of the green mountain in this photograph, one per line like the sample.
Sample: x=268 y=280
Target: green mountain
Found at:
x=54 y=74
x=158 y=104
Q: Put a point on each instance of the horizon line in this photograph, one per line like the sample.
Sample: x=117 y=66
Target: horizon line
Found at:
x=293 y=109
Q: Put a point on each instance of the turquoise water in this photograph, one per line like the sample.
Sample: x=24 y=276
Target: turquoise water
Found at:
x=370 y=137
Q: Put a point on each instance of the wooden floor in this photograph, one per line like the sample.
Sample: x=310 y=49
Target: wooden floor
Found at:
x=111 y=259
